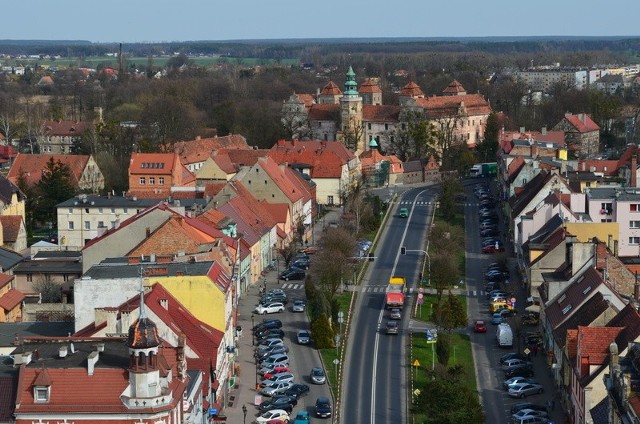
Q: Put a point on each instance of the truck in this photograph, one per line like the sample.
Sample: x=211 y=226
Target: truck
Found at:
x=395 y=293
x=487 y=169
x=504 y=335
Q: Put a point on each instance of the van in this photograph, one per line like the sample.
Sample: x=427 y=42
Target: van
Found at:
x=404 y=212
x=504 y=335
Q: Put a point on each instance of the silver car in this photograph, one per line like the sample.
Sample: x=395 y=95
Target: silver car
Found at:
x=318 y=376
x=298 y=306
x=523 y=390
x=304 y=337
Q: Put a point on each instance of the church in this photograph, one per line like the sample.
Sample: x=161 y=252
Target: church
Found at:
x=358 y=118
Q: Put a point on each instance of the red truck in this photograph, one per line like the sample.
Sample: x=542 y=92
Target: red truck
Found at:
x=395 y=293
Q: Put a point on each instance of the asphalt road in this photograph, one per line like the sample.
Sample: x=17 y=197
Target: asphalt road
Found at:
x=376 y=370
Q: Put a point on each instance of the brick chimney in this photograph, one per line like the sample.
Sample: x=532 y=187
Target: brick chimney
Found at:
x=634 y=170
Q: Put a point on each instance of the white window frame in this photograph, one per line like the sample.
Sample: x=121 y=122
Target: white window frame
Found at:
x=41 y=394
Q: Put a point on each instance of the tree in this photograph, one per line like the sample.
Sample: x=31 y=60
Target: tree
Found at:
x=443 y=348
x=488 y=149
x=50 y=291
x=444 y=271
x=450 y=188
x=54 y=187
x=334 y=259
x=322 y=332
x=449 y=313
x=288 y=252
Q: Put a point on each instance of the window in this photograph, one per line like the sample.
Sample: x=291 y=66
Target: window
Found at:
x=87 y=225
x=113 y=224
x=634 y=240
x=71 y=225
x=142 y=180
x=634 y=224
x=386 y=127
x=606 y=208
x=41 y=394
x=29 y=278
x=70 y=210
x=152 y=180
x=606 y=220
x=330 y=200
x=369 y=126
x=125 y=210
x=634 y=207
x=100 y=224
x=161 y=180
x=100 y=210
x=113 y=210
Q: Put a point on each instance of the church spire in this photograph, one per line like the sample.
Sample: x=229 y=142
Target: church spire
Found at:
x=350 y=84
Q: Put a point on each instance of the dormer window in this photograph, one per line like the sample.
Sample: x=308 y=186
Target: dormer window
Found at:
x=41 y=394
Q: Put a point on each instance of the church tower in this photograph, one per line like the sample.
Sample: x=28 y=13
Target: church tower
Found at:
x=351 y=126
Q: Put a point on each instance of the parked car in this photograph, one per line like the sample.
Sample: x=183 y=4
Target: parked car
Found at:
x=304 y=337
x=298 y=306
x=293 y=273
x=270 y=351
x=301 y=263
x=276 y=389
x=529 y=420
x=271 y=308
x=395 y=313
x=272 y=369
x=278 y=402
x=267 y=324
x=269 y=333
x=391 y=327
x=530 y=413
x=518 y=371
x=493 y=248
x=527 y=405
x=276 y=370
x=318 y=376
x=523 y=390
x=512 y=355
x=279 y=359
x=273 y=297
x=323 y=407
x=517 y=380
x=275 y=414
x=297 y=390
x=515 y=362
x=480 y=327
x=530 y=319
x=270 y=342
x=302 y=417
x=283 y=377
x=310 y=250
x=489 y=232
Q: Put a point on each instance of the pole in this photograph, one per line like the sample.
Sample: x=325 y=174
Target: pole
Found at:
x=253 y=334
x=433 y=357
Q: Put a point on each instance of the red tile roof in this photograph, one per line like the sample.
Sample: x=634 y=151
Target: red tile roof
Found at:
x=66 y=128
x=153 y=163
x=10 y=227
x=380 y=113
x=607 y=167
x=8 y=387
x=324 y=112
x=593 y=343
x=11 y=299
x=555 y=137
x=454 y=88
x=325 y=158
x=515 y=167
x=200 y=149
x=411 y=90
x=447 y=106
x=33 y=165
x=370 y=158
x=582 y=122
x=307 y=99
x=5 y=279
x=331 y=89
x=369 y=86
x=222 y=159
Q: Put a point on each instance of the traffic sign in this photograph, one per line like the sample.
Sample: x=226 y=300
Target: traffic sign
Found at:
x=420 y=290
x=416 y=363
x=420 y=295
x=526 y=351
x=420 y=301
x=340 y=314
x=417 y=392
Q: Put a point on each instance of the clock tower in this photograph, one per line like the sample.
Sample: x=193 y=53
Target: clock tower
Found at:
x=351 y=131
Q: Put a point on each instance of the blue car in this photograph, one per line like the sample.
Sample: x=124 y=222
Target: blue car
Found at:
x=497 y=319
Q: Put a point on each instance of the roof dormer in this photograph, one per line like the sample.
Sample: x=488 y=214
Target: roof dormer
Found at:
x=42 y=387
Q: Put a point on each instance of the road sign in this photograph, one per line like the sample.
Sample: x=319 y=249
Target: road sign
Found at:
x=526 y=351
x=420 y=295
x=417 y=392
x=340 y=314
x=336 y=361
x=420 y=301
x=420 y=290
x=416 y=363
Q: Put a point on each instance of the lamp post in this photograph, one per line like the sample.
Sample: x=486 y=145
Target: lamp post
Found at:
x=404 y=250
x=244 y=413
x=253 y=333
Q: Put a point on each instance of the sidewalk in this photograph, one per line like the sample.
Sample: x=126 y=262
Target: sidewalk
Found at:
x=244 y=391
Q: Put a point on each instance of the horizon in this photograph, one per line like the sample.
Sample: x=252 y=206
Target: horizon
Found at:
x=162 y=21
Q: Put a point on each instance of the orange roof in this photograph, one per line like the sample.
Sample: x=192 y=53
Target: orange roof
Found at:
x=454 y=87
x=556 y=137
x=446 y=106
x=11 y=299
x=331 y=89
x=593 y=343
x=222 y=159
x=307 y=99
x=66 y=128
x=325 y=158
x=370 y=158
x=370 y=86
x=200 y=149
x=10 y=227
x=5 y=279
x=279 y=177
x=411 y=90
x=582 y=122
x=607 y=167
x=152 y=163
x=33 y=165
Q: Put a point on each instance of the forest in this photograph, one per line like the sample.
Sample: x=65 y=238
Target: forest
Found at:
x=150 y=106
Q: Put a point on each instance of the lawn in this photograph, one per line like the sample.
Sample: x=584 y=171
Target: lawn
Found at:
x=328 y=355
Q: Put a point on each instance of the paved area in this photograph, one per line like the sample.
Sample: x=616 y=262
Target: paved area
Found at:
x=244 y=392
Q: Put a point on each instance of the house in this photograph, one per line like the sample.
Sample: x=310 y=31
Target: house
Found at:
x=12 y=199
x=14 y=232
x=611 y=84
x=379 y=170
x=85 y=173
x=194 y=153
x=61 y=268
x=127 y=380
x=7 y=154
x=10 y=300
x=154 y=175
x=58 y=137
x=204 y=345
x=582 y=135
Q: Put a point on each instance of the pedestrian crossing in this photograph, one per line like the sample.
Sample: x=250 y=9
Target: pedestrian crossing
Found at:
x=410 y=203
x=383 y=288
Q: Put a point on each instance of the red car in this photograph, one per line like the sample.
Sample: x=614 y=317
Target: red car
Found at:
x=492 y=248
x=276 y=370
x=480 y=327
x=310 y=250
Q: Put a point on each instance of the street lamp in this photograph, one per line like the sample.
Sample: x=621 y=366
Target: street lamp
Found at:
x=244 y=412
x=404 y=250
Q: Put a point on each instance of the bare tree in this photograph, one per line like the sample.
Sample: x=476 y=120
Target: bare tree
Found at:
x=50 y=291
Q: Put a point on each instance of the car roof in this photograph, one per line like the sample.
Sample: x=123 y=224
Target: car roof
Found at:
x=323 y=399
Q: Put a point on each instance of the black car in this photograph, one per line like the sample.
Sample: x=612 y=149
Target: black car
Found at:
x=323 y=407
x=512 y=355
x=518 y=371
x=495 y=278
x=516 y=407
x=302 y=262
x=278 y=402
x=293 y=273
x=296 y=391
x=266 y=299
x=267 y=324
x=492 y=232
x=490 y=220
x=269 y=333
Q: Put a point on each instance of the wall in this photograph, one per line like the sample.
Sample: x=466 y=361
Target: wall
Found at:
x=90 y=294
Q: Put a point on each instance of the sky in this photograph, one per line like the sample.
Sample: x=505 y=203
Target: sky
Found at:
x=191 y=20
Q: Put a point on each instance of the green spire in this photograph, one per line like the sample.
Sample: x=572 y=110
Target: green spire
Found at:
x=350 y=85
x=373 y=144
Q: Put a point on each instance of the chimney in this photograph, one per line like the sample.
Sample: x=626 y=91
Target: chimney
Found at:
x=63 y=351
x=544 y=130
x=633 y=179
x=636 y=289
x=534 y=151
x=197 y=137
x=148 y=231
x=521 y=130
x=92 y=360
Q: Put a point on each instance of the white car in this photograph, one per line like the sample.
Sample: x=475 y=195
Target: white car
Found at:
x=529 y=413
x=271 y=308
x=283 y=377
x=274 y=414
x=276 y=389
x=270 y=342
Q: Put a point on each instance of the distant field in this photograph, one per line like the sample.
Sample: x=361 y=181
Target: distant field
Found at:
x=92 y=62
